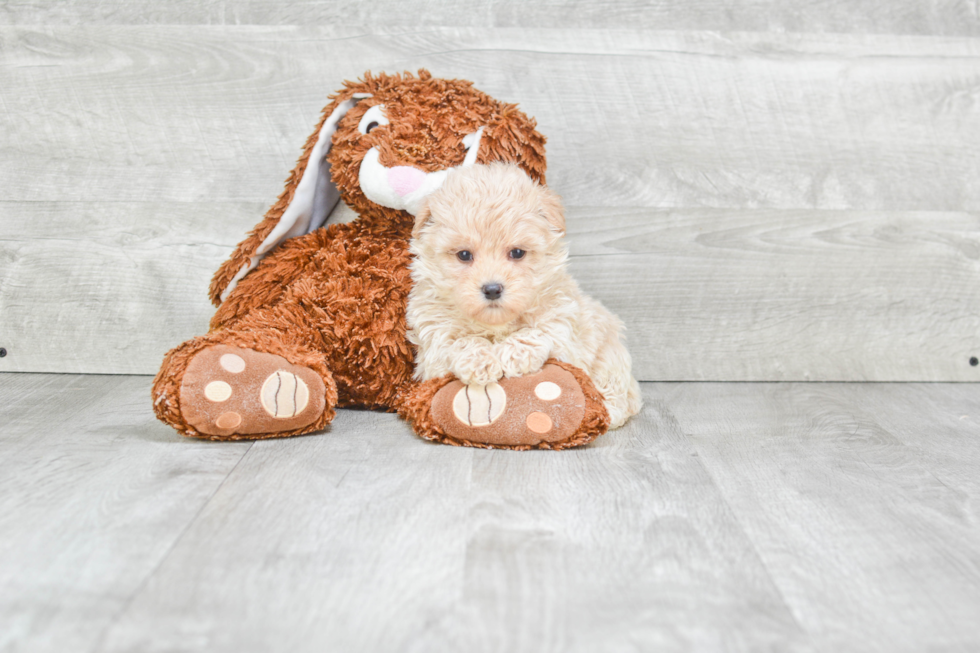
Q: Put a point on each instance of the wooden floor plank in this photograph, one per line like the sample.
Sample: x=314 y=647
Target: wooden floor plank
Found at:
x=625 y=545
x=730 y=517
x=368 y=539
x=941 y=433
x=345 y=538
x=859 y=531
x=93 y=494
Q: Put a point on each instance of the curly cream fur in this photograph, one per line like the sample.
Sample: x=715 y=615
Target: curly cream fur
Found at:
x=489 y=211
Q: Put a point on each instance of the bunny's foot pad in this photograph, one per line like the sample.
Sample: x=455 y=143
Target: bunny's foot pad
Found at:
x=542 y=410
x=232 y=391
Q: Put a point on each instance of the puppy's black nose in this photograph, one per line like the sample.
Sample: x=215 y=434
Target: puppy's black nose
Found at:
x=493 y=290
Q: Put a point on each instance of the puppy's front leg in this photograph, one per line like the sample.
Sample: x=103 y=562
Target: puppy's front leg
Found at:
x=523 y=352
x=473 y=361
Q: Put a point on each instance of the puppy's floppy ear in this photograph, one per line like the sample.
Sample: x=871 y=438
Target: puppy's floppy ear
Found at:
x=421 y=218
x=551 y=209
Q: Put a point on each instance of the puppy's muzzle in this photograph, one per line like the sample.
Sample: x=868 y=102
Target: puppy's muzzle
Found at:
x=492 y=291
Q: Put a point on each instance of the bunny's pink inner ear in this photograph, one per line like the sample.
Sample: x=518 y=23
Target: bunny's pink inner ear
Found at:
x=314 y=198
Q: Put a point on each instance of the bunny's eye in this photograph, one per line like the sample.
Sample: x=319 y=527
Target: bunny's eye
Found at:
x=464 y=255
x=373 y=117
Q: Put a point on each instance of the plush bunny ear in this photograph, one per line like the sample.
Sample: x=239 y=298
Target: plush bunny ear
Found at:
x=315 y=197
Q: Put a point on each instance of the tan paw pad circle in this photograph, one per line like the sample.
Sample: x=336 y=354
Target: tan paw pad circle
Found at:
x=478 y=405
x=233 y=363
x=284 y=394
x=234 y=391
x=539 y=422
x=547 y=391
x=217 y=391
x=228 y=420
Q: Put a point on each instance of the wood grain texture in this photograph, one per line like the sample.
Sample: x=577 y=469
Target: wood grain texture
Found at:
x=787 y=295
x=949 y=17
x=140 y=154
x=933 y=434
x=635 y=118
x=726 y=517
x=869 y=542
x=706 y=294
x=367 y=539
x=109 y=286
x=94 y=492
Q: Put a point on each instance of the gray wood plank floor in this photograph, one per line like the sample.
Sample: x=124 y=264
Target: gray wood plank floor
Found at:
x=727 y=517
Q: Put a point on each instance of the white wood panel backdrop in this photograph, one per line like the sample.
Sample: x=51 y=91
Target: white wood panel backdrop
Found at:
x=950 y=17
x=841 y=169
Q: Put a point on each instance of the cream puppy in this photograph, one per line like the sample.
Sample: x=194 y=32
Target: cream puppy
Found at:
x=491 y=293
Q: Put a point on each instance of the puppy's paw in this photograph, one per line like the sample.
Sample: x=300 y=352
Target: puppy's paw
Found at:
x=522 y=356
x=477 y=365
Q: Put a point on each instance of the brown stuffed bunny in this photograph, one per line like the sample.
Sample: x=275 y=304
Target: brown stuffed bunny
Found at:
x=310 y=318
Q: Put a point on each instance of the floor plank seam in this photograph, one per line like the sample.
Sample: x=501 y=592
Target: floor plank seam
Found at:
x=741 y=527
x=173 y=545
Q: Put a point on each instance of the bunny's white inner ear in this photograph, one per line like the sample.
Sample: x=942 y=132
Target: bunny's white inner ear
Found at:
x=315 y=197
x=472 y=144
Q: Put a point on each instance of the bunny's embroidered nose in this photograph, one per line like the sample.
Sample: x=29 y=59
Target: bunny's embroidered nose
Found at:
x=405 y=179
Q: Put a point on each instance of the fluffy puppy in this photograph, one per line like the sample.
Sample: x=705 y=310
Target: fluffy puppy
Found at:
x=491 y=293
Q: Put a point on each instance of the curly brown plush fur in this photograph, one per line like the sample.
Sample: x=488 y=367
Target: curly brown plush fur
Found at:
x=334 y=300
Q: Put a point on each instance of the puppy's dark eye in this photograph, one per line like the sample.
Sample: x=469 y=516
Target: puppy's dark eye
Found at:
x=371 y=125
x=464 y=255
x=516 y=254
